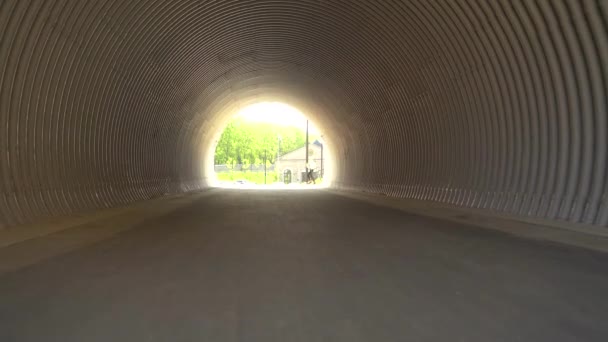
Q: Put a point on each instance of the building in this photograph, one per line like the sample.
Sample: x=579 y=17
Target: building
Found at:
x=295 y=161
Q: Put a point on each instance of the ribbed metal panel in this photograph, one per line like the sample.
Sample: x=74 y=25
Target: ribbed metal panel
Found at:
x=489 y=104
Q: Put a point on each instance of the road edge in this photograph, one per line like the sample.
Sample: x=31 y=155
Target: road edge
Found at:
x=578 y=235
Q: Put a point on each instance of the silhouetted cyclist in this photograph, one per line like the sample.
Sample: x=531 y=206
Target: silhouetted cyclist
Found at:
x=311 y=171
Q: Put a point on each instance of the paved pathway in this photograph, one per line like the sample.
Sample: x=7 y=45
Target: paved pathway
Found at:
x=307 y=266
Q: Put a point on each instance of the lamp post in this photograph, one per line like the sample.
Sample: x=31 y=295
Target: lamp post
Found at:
x=276 y=163
x=307 y=152
x=322 y=169
x=279 y=146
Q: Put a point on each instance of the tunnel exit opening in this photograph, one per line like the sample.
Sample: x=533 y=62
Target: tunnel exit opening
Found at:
x=271 y=145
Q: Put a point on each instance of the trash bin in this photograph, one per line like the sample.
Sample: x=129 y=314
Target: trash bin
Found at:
x=287 y=176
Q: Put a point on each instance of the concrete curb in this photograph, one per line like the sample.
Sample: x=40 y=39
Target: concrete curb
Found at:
x=27 y=245
x=572 y=234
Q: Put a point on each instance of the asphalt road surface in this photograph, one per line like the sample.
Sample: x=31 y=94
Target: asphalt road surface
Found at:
x=307 y=266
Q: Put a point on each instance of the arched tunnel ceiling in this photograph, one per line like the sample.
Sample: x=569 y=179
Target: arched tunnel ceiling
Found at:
x=498 y=105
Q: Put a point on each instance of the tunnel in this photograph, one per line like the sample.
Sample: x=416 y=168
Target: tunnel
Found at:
x=494 y=106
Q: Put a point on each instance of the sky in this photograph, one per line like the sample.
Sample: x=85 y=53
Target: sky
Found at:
x=276 y=113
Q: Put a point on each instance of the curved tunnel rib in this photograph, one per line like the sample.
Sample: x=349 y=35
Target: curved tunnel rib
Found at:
x=497 y=105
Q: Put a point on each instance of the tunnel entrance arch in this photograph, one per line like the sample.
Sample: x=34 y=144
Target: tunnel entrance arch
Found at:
x=260 y=141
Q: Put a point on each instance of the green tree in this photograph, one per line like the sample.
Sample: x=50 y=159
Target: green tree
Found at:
x=249 y=143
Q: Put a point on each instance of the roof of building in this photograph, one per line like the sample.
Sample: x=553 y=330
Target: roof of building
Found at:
x=316 y=143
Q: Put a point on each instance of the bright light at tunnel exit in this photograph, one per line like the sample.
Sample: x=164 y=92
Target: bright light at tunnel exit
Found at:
x=276 y=113
x=281 y=114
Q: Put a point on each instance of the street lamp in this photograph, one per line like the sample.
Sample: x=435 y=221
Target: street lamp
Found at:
x=276 y=163
x=279 y=146
x=322 y=148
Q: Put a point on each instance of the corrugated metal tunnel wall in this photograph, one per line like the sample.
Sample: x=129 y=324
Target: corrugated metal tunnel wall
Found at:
x=486 y=104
